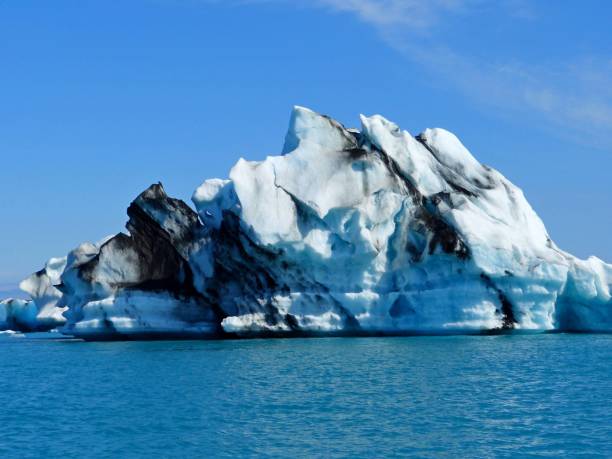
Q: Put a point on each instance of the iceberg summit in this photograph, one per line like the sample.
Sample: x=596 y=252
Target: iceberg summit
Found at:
x=346 y=232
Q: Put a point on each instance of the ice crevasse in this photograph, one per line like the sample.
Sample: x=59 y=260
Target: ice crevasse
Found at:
x=368 y=231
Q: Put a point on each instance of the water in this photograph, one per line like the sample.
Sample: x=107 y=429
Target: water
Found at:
x=492 y=396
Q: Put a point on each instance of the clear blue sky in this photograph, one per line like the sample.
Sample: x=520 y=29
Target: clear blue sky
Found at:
x=100 y=98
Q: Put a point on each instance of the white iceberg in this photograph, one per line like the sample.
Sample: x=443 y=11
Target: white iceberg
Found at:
x=369 y=231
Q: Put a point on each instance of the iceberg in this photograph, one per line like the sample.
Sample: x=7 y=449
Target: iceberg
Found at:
x=18 y=315
x=141 y=285
x=346 y=232
x=42 y=288
x=41 y=312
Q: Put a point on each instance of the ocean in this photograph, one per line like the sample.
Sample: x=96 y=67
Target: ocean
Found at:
x=541 y=395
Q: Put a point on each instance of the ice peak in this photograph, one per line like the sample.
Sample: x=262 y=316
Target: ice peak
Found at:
x=306 y=125
x=448 y=149
x=155 y=191
x=368 y=121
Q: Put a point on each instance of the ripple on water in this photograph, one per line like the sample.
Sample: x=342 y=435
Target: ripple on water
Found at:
x=502 y=396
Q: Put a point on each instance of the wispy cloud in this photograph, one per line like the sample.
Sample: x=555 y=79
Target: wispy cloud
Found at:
x=415 y=14
x=575 y=95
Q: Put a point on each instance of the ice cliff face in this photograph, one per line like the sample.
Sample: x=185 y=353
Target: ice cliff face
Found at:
x=347 y=231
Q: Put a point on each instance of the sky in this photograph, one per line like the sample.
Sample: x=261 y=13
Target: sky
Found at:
x=101 y=98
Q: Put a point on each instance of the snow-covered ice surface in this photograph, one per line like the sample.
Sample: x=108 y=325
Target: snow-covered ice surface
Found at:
x=41 y=312
x=41 y=286
x=346 y=232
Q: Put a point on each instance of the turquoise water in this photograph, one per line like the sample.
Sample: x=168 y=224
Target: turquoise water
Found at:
x=487 y=396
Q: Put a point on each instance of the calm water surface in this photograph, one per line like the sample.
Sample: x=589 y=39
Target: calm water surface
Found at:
x=493 y=396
